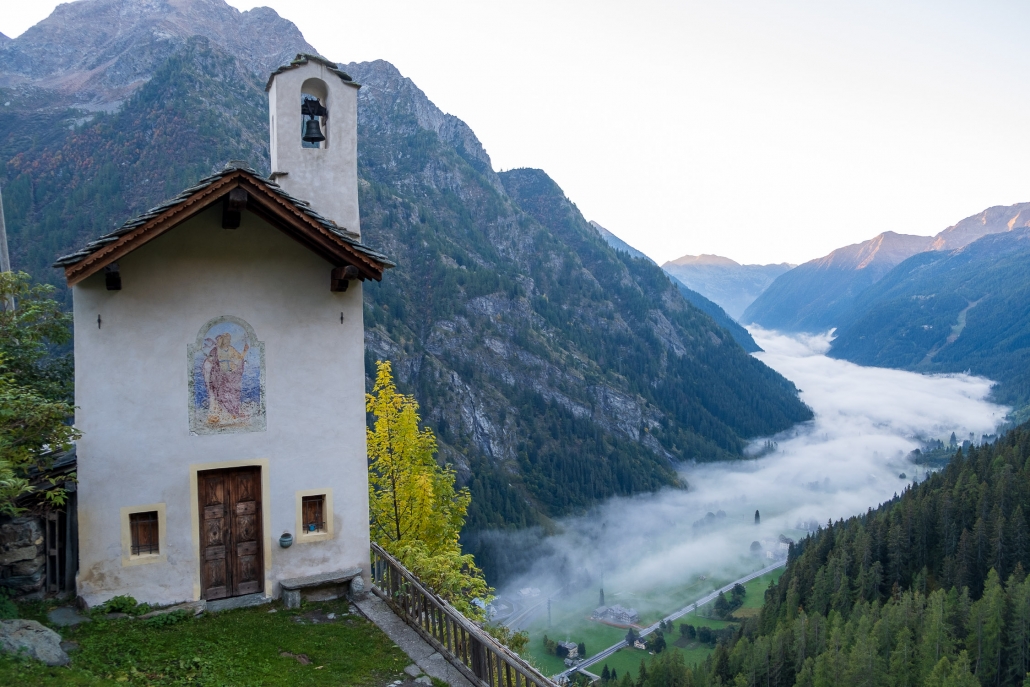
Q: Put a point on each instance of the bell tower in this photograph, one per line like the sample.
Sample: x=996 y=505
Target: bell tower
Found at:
x=313 y=120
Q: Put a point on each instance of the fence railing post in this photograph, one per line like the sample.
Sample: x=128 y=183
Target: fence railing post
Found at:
x=477 y=655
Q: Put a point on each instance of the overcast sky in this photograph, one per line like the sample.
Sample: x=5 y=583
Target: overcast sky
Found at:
x=762 y=130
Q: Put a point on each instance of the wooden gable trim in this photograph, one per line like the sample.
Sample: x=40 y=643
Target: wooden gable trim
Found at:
x=146 y=232
x=264 y=202
x=307 y=230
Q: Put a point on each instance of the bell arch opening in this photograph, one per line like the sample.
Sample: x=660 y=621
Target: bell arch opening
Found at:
x=314 y=107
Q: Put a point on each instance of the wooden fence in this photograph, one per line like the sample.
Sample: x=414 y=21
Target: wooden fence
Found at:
x=478 y=656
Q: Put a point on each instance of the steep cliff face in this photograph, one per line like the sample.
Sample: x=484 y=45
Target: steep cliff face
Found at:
x=554 y=370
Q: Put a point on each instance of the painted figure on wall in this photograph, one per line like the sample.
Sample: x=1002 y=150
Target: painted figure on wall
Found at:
x=223 y=375
x=226 y=379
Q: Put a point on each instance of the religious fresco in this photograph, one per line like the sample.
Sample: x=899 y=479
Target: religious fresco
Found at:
x=226 y=379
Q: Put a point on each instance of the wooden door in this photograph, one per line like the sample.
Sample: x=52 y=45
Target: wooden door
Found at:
x=230 y=532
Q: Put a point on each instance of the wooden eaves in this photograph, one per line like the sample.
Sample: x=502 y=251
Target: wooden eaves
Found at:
x=265 y=199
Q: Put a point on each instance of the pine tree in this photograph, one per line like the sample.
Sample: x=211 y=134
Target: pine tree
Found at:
x=1018 y=634
x=985 y=631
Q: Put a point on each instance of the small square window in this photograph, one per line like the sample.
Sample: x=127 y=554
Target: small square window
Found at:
x=313 y=513
x=313 y=509
x=144 y=530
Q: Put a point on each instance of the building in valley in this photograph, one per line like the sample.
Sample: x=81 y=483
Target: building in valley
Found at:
x=219 y=370
x=617 y=615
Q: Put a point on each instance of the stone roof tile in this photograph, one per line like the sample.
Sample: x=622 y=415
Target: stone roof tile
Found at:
x=348 y=237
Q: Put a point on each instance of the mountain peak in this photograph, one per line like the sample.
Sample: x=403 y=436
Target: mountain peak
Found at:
x=993 y=220
x=883 y=251
x=95 y=53
x=703 y=259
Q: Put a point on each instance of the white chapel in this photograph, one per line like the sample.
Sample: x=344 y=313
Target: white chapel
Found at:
x=219 y=371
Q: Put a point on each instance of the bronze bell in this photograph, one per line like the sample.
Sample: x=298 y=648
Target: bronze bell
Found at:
x=312 y=132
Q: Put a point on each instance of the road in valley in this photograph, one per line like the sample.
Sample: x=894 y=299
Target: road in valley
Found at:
x=601 y=655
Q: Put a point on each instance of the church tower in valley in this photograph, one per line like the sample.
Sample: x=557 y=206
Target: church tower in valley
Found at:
x=219 y=373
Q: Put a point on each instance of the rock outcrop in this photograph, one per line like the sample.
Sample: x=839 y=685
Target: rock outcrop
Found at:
x=29 y=638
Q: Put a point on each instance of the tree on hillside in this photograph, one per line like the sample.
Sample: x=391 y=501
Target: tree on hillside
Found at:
x=34 y=385
x=30 y=335
x=31 y=429
x=722 y=606
x=415 y=513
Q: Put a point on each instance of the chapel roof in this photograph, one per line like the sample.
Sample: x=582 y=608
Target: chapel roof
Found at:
x=265 y=198
x=303 y=58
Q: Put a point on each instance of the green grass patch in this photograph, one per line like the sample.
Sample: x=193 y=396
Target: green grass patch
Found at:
x=242 y=647
x=570 y=620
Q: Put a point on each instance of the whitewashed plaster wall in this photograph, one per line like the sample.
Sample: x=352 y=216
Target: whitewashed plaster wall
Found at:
x=131 y=377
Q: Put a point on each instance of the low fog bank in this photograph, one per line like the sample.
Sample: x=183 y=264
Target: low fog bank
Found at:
x=848 y=459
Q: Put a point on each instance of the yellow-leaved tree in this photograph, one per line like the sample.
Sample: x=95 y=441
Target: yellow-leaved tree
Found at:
x=415 y=513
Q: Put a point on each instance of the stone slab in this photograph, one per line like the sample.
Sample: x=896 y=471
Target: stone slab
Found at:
x=336 y=577
x=197 y=607
x=233 y=602
x=66 y=616
x=417 y=649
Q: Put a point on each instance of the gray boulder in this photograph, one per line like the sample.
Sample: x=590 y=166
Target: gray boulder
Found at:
x=32 y=639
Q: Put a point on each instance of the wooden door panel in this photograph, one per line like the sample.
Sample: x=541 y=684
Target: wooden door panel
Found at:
x=214 y=533
x=231 y=533
x=246 y=495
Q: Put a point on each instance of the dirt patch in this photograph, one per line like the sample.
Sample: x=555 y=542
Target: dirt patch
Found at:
x=745 y=613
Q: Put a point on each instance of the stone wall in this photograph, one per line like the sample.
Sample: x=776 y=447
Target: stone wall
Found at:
x=22 y=555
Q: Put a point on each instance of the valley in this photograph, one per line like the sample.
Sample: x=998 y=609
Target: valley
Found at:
x=651 y=552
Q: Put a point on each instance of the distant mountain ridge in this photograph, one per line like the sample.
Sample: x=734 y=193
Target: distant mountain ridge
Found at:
x=816 y=295
x=950 y=311
x=555 y=370
x=724 y=281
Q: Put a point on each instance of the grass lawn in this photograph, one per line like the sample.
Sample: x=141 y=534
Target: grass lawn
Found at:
x=242 y=647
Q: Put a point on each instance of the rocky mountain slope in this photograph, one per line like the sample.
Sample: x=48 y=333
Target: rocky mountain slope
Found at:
x=94 y=54
x=617 y=243
x=726 y=282
x=950 y=311
x=555 y=370
x=710 y=308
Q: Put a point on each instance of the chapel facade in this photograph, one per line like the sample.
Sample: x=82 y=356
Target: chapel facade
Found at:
x=219 y=370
